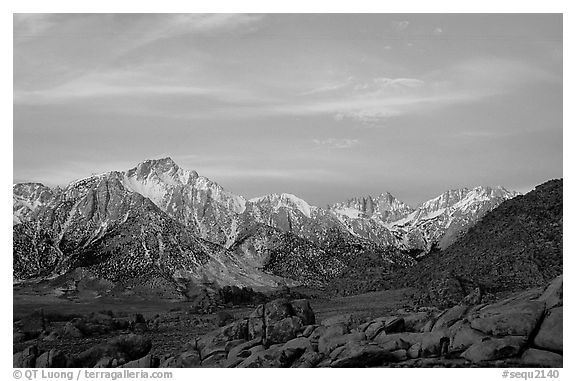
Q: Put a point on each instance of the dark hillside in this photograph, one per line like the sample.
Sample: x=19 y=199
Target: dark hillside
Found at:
x=518 y=245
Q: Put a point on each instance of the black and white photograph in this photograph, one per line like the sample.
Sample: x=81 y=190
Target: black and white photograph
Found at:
x=287 y=190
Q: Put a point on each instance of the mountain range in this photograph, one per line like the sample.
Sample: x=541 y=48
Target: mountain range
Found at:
x=174 y=228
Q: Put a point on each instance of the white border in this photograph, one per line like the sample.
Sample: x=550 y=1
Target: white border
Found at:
x=294 y=6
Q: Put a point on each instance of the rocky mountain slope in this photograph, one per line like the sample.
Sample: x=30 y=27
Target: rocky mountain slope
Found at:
x=160 y=219
x=103 y=227
x=27 y=197
x=515 y=246
x=437 y=222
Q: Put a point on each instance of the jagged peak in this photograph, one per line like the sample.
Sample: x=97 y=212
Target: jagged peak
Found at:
x=284 y=199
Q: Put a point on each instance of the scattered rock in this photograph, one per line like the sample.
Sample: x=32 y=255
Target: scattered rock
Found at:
x=308 y=330
x=552 y=296
x=344 y=320
x=144 y=362
x=463 y=336
x=128 y=347
x=283 y=330
x=494 y=349
x=52 y=359
x=302 y=309
x=518 y=319
x=331 y=341
x=449 y=317
x=292 y=350
x=70 y=330
x=540 y=358
x=215 y=360
x=309 y=359
x=550 y=334
x=26 y=358
x=414 y=351
x=358 y=355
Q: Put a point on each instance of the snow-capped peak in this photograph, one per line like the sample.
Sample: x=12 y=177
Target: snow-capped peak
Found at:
x=287 y=200
x=385 y=207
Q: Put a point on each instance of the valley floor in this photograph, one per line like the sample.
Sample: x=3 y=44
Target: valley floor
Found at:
x=177 y=325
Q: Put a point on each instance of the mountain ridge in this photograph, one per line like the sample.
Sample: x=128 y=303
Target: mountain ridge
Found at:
x=85 y=221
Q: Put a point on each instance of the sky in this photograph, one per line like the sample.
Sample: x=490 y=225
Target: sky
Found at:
x=324 y=106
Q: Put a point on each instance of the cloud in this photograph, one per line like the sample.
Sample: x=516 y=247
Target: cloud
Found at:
x=30 y=25
x=168 y=26
x=136 y=82
x=329 y=87
x=336 y=143
x=437 y=31
x=399 y=26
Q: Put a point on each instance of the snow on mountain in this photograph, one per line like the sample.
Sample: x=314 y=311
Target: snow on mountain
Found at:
x=384 y=207
x=27 y=197
x=284 y=200
x=103 y=227
x=191 y=199
x=443 y=219
x=160 y=217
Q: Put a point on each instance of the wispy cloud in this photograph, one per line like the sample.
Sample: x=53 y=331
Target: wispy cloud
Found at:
x=32 y=24
x=168 y=26
x=335 y=143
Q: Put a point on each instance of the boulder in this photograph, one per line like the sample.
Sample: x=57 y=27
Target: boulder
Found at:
x=399 y=355
x=344 y=320
x=242 y=350
x=277 y=310
x=308 y=359
x=358 y=355
x=52 y=359
x=394 y=324
x=414 y=351
x=308 y=330
x=217 y=340
x=397 y=341
x=552 y=296
x=104 y=362
x=282 y=331
x=434 y=343
x=302 y=309
x=518 y=319
x=462 y=336
x=26 y=358
x=293 y=349
x=18 y=337
x=144 y=362
x=215 y=360
x=128 y=347
x=539 y=358
x=256 y=323
x=331 y=341
x=269 y=358
x=188 y=359
x=494 y=349
x=374 y=328
x=429 y=343
x=416 y=321
x=449 y=317
x=71 y=330
x=550 y=334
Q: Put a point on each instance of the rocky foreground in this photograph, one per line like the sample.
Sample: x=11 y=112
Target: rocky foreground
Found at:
x=522 y=330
